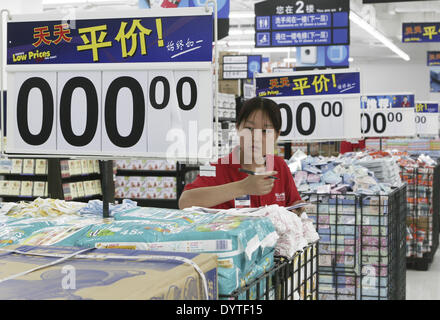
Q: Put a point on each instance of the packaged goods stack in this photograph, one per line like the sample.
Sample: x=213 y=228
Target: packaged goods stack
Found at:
x=422 y=177
x=361 y=224
x=254 y=249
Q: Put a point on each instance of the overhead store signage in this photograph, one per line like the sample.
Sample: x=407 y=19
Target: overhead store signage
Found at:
x=388 y=115
x=426 y=118
x=283 y=23
x=315 y=106
x=91 y=104
x=322 y=56
x=241 y=67
x=421 y=32
x=433 y=58
x=136 y=39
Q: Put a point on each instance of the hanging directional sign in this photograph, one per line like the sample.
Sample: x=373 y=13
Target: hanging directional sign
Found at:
x=388 y=115
x=314 y=105
x=427 y=118
x=283 y=23
x=241 y=67
x=421 y=32
x=126 y=84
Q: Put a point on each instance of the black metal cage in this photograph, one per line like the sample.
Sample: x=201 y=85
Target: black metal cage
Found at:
x=423 y=215
x=362 y=245
x=288 y=279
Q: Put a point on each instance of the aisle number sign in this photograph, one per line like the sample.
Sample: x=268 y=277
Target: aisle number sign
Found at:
x=315 y=106
x=388 y=115
x=426 y=118
x=130 y=84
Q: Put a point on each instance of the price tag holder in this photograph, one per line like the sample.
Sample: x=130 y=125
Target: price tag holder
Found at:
x=315 y=106
x=119 y=84
x=427 y=119
x=388 y=115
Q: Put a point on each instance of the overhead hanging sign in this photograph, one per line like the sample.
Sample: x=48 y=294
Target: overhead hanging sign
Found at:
x=433 y=58
x=315 y=106
x=421 y=32
x=427 y=118
x=322 y=56
x=241 y=67
x=80 y=99
x=388 y=115
x=283 y=23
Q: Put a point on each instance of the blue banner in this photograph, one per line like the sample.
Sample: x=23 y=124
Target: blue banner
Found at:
x=158 y=39
x=433 y=58
x=421 y=32
x=307 y=85
x=388 y=101
x=427 y=107
x=283 y=23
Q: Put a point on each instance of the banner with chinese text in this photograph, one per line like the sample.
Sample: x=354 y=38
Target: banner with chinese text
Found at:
x=144 y=39
x=421 y=32
x=283 y=23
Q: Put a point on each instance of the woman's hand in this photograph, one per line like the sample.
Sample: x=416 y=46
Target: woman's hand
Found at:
x=299 y=211
x=259 y=184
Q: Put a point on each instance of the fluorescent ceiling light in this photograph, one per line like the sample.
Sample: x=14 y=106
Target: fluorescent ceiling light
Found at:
x=289 y=60
x=350 y=59
x=379 y=36
x=235 y=32
x=237 y=43
x=241 y=15
x=263 y=50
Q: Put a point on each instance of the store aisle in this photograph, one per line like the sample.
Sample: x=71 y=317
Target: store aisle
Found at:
x=424 y=285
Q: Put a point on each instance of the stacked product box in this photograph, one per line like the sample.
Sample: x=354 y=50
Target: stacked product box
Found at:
x=362 y=245
x=146 y=187
x=423 y=212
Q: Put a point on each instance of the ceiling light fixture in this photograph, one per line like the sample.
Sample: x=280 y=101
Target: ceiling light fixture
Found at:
x=379 y=36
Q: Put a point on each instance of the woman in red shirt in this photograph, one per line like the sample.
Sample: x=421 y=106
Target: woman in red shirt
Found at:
x=260 y=121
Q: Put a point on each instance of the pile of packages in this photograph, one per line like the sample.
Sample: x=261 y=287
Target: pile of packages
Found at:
x=360 y=173
x=419 y=176
x=245 y=242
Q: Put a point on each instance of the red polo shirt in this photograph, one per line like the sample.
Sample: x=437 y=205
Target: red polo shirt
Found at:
x=284 y=192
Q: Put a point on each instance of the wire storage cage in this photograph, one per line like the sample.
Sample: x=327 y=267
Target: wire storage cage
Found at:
x=423 y=215
x=289 y=279
x=362 y=245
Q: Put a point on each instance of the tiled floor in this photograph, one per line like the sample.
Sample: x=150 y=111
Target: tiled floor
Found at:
x=424 y=285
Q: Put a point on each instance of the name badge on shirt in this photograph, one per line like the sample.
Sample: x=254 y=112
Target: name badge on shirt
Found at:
x=243 y=202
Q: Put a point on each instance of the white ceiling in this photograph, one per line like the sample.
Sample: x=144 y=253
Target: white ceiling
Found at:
x=386 y=17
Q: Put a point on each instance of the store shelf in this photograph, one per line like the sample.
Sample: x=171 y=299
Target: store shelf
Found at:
x=146 y=173
x=79 y=178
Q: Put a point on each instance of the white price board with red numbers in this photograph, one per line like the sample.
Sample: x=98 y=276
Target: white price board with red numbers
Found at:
x=388 y=115
x=124 y=84
x=315 y=106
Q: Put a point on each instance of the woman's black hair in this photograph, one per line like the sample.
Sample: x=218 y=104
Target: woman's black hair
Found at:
x=268 y=106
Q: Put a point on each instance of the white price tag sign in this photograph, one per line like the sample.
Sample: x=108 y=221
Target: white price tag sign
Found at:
x=427 y=118
x=315 y=106
x=144 y=95
x=388 y=115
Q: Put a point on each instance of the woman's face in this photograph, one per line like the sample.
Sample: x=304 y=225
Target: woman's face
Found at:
x=257 y=137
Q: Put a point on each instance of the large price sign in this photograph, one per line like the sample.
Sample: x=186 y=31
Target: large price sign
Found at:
x=157 y=103
x=315 y=106
x=388 y=115
x=426 y=118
